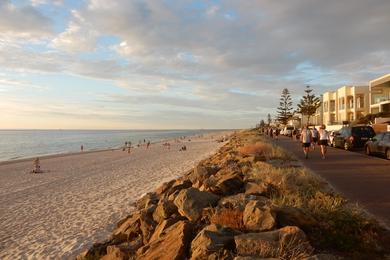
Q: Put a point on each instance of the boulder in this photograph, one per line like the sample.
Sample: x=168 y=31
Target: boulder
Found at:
x=257 y=217
x=160 y=229
x=290 y=216
x=268 y=244
x=240 y=200
x=164 y=187
x=211 y=239
x=190 y=202
x=164 y=210
x=172 y=246
x=252 y=188
x=228 y=184
x=176 y=188
x=128 y=229
x=147 y=200
x=115 y=253
x=147 y=225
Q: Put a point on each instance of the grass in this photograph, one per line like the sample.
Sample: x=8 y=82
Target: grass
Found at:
x=342 y=227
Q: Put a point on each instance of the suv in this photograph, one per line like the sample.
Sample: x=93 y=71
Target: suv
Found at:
x=350 y=137
x=288 y=130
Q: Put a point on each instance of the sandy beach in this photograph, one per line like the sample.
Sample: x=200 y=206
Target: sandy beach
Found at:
x=80 y=197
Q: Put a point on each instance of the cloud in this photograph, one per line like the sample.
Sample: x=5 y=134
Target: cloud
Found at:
x=23 y=22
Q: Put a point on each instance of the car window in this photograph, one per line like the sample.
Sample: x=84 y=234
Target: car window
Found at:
x=387 y=137
x=365 y=131
x=378 y=137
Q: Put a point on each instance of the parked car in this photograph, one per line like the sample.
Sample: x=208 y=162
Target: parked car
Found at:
x=379 y=144
x=332 y=134
x=351 y=137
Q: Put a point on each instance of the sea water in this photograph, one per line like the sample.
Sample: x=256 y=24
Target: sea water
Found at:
x=18 y=144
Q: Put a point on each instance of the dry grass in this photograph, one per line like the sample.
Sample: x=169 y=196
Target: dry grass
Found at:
x=256 y=149
x=294 y=249
x=228 y=217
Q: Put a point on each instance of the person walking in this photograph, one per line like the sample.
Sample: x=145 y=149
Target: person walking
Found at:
x=314 y=134
x=324 y=137
x=306 y=139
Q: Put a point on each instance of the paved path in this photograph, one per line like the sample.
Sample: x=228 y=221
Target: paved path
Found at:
x=358 y=177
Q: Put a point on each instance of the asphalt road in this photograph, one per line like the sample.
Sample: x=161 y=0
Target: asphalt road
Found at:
x=360 y=178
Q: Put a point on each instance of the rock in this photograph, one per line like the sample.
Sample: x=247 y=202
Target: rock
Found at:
x=190 y=202
x=252 y=188
x=268 y=244
x=176 y=188
x=147 y=200
x=164 y=210
x=115 y=253
x=229 y=184
x=129 y=229
x=290 y=216
x=240 y=200
x=160 y=229
x=211 y=239
x=147 y=225
x=173 y=245
x=257 y=217
x=164 y=187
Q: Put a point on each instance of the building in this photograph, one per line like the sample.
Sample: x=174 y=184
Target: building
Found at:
x=380 y=94
x=347 y=103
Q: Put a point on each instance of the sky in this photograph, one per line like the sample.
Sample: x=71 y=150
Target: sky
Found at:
x=179 y=64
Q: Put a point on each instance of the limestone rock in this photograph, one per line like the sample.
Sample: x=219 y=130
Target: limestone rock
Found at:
x=147 y=225
x=164 y=187
x=240 y=200
x=229 y=184
x=190 y=202
x=267 y=244
x=258 y=217
x=147 y=200
x=290 y=216
x=212 y=238
x=129 y=229
x=160 y=229
x=115 y=253
x=172 y=246
x=164 y=210
x=252 y=188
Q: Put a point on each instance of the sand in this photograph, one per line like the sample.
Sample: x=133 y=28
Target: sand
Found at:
x=79 y=198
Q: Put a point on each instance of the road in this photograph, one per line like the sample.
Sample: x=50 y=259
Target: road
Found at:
x=360 y=178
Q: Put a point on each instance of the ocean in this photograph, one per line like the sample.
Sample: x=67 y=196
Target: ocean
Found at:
x=18 y=144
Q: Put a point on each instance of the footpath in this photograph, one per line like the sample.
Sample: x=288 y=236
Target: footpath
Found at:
x=360 y=178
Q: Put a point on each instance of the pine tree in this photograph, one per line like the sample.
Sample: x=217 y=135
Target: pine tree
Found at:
x=285 y=107
x=262 y=123
x=269 y=119
x=308 y=104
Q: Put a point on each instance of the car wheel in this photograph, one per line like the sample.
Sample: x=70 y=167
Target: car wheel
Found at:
x=346 y=146
x=368 y=151
x=388 y=154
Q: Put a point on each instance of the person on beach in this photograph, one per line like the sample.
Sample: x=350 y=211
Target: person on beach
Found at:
x=82 y=148
x=306 y=139
x=147 y=145
x=324 y=137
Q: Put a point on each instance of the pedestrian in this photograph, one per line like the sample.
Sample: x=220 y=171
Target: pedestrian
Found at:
x=314 y=134
x=147 y=145
x=324 y=137
x=82 y=148
x=277 y=131
x=271 y=133
x=306 y=139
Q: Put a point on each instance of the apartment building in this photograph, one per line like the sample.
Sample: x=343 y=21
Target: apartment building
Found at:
x=347 y=103
x=380 y=94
